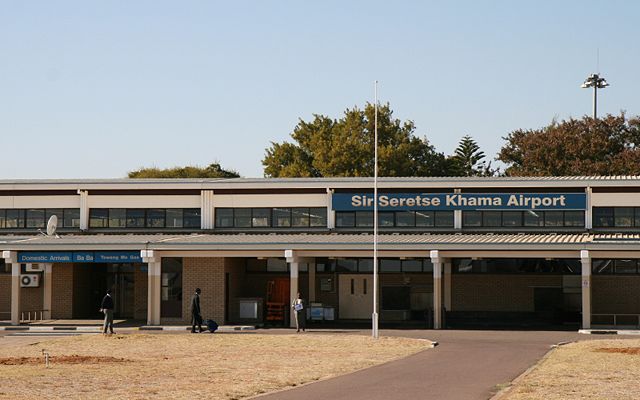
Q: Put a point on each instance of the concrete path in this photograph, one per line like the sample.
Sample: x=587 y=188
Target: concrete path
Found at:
x=466 y=365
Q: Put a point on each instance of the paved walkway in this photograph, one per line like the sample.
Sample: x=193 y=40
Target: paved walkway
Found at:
x=466 y=365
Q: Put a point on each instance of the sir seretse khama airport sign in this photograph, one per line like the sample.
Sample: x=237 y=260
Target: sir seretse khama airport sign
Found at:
x=459 y=201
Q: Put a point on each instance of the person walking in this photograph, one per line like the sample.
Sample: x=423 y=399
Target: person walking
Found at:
x=196 y=316
x=107 y=308
x=300 y=313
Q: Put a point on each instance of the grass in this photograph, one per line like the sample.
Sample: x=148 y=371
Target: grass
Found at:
x=183 y=366
x=598 y=369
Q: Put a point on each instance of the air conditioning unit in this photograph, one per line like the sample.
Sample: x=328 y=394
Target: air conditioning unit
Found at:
x=30 y=280
x=34 y=268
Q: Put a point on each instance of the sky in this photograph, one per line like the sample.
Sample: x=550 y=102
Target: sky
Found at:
x=94 y=89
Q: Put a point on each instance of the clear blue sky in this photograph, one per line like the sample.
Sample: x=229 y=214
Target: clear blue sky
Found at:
x=93 y=89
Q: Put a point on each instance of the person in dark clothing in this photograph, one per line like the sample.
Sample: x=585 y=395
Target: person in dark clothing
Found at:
x=196 y=316
x=107 y=308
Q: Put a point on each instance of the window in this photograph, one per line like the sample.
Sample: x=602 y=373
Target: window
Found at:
x=424 y=218
x=242 y=217
x=281 y=217
x=517 y=266
x=71 y=218
x=135 y=217
x=35 y=218
x=623 y=216
x=300 y=217
x=364 y=219
x=347 y=265
x=191 y=218
x=390 y=265
x=603 y=216
x=117 y=218
x=444 y=219
x=405 y=218
x=625 y=266
x=492 y=218
x=471 y=218
x=171 y=287
x=411 y=265
x=99 y=218
x=618 y=217
x=386 y=219
x=261 y=218
x=553 y=218
x=224 y=217
x=155 y=218
x=15 y=219
x=4 y=267
x=533 y=218
x=602 y=266
x=173 y=218
x=277 y=265
x=346 y=219
x=318 y=217
x=511 y=219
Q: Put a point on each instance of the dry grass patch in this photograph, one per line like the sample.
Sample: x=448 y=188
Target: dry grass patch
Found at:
x=187 y=366
x=598 y=369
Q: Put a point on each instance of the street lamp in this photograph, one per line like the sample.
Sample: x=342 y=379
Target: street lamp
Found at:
x=596 y=82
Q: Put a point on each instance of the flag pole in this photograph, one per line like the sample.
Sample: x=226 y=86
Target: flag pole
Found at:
x=374 y=315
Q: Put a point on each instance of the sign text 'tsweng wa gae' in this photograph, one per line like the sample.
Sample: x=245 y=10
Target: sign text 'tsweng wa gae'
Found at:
x=460 y=201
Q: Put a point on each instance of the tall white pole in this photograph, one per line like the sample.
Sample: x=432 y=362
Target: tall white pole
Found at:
x=374 y=315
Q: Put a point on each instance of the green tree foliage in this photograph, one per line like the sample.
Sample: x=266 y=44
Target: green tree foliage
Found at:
x=325 y=147
x=213 y=170
x=468 y=159
x=587 y=146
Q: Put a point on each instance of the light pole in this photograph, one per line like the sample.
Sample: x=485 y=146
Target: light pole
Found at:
x=596 y=82
x=374 y=315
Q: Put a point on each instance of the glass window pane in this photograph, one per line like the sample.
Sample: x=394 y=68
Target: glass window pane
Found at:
x=58 y=212
x=444 y=219
x=553 y=218
x=533 y=218
x=345 y=219
x=365 y=265
x=117 y=218
x=463 y=265
x=637 y=218
x=3 y=219
x=625 y=266
x=574 y=218
x=390 y=265
x=603 y=216
x=281 y=217
x=71 y=218
x=191 y=218
x=512 y=218
x=471 y=218
x=173 y=218
x=277 y=265
x=261 y=217
x=224 y=217
x=98 y=218
x=242 y=217
x=300 y=217
x=602 y=266
x=623 y=217
x=256 y=265
x=35 y=218
x=318 y=216
x=364 y=219
x=491 y=218
x=411 y=265
x=425 y=218
x=427 y=265
x=386 y=219
x=347 y=265
x=406 y=218
x=15 y=218
x=135 y=218
x=155 y=218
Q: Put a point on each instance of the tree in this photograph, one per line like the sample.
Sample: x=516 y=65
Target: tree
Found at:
x=325 y=147
x=213 y=170
x=587 y=146
x=467 y=160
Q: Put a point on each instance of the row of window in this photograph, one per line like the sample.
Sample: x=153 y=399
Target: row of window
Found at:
x=618 y=217
x=144 y=218
x=516 y=219
x=38 y=217
x=615 y=267
x=296 y=217
x=349 y=265
x=391 y=219
x=517 y=266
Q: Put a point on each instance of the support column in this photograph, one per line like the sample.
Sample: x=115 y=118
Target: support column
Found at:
x=447 y=284
x=437 y=289
x=585 y=258
x=11 y=257
x=588 y=214
x=207 y=212
x=154 y=269
x=84 y=209
x=294 y=264
x=331 y=215
x=457 y=215
x=47 y=294
x=312 y=280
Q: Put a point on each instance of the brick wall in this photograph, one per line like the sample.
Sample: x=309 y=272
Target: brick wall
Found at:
x=140 y=293
x=497 y=292
x=5 y=296
x=208 y=275
x=615 y=294
x=31 y=298
x=62 y=291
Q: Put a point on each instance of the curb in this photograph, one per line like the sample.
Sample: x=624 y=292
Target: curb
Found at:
x=609 y=331
x=132 y=328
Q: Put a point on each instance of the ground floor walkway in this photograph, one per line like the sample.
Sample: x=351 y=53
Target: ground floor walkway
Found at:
x=465 y=365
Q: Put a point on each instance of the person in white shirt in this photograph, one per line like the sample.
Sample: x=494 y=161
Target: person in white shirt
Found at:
x=299 y=313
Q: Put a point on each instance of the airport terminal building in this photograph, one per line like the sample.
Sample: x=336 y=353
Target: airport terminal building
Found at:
x=453 y=252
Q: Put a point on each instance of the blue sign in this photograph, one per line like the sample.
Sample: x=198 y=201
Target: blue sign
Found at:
x=79 y=257
x=459 y=201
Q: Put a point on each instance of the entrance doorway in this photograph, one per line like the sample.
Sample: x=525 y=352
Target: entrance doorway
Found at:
x=90 y=284
x=356 y=296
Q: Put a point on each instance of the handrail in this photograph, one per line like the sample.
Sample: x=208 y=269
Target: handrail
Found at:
x=35 y=315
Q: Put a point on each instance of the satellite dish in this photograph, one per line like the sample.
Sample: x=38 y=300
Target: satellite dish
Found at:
x=52 y=225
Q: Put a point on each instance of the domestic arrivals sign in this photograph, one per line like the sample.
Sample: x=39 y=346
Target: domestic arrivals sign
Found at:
x=460 y=201
x=79 y=257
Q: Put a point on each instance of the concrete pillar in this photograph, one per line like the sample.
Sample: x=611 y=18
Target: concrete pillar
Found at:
x=312 y=280
x=84 y=209
x=457 y=215
x=294 y=264
x=585 y=258
x=154 y=269
x=588 y=214
x=11 y=257
x=437 y=289
x=207 y=212
x=47 y=294
x=331 y=215
x=447 y=284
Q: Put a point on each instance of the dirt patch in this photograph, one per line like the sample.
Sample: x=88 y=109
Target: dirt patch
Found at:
x=634 y=351
x=72 y=359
